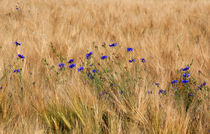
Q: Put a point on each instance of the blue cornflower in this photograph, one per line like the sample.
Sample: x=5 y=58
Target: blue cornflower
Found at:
x=185 y=81
x=21 y=56
x=94 y=71
x=161 y=91
x=113 y=45
x=174 y=81
x=16 y=70
x=88 y=55
x=129 y=49
x=133 y=60
x=204 y=84
x=72 y=65
x=80 y=69
x=71 y=60
x=61 y=65
x=17 y=44
x=185 y=69
x=143 y=60
x=157 y=84
x=104 y=57
x=186 y=75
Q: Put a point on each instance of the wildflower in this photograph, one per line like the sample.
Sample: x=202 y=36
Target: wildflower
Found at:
x=88 y=55
x=143 y=60
x=162 y=91
x=121 y=92
x=113 y=45
x=17 y=44
x=149 y=92
x=129 y=49
x=103 y=93
x=133 y=60
x=199 y=87
x=157 y=84
x=111 y=84
x=90 y=75
x=174 y=81
x=1 y=87
x=72 y=65
x=185 y=69
x=91 y=64
x=61 y=65
x=94 y=71
x=80 y=69
x=71 y=61
x=185 y=81
x=186 y=75
x=17 y=70
x=21 y=56
x=104 y=57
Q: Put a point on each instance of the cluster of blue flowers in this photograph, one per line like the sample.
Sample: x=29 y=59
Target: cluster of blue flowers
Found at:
x=71 y=61
x=17 y=43
x=129 y=49
x=185 y=76
x=91 y=74
x=88 y=56
x=21 y=56
x=174 y=81
x=113 y=45
x=133 y=60
x=95 y=71
x=104 y=57
x=16 y=71
x=80 y=69
x=61 y=65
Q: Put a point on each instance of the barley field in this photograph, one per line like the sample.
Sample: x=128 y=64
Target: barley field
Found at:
x=104 y=66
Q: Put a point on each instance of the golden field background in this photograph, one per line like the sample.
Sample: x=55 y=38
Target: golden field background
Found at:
x=154 y=28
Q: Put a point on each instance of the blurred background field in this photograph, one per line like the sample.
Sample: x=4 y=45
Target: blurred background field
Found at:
x=123 y=97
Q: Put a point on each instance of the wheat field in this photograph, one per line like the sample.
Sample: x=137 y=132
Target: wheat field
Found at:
x=39 y=95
